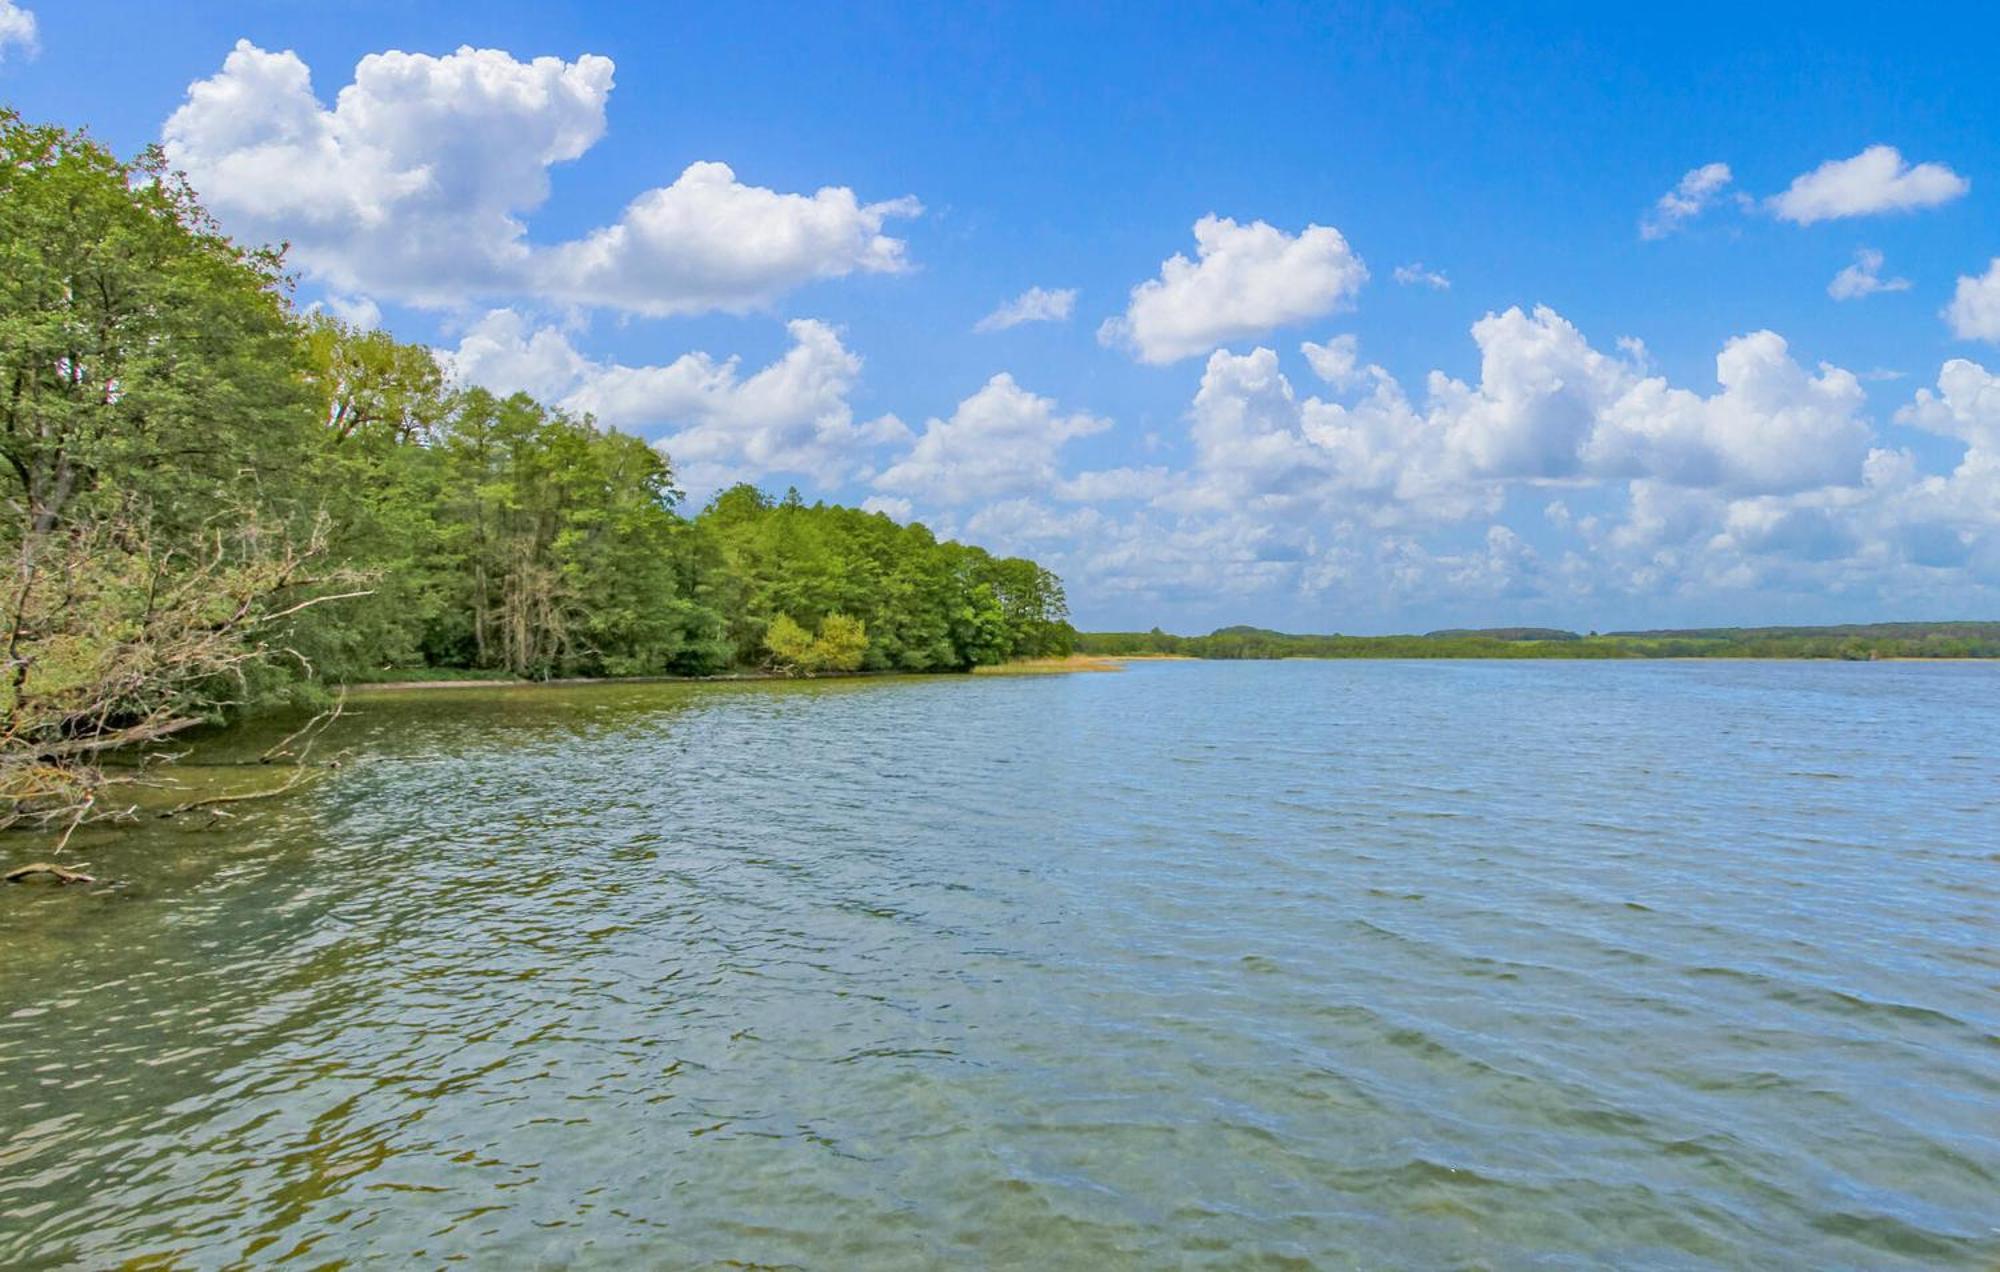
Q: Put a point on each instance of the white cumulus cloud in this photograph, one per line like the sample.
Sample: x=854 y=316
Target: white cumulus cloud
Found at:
x=1966 y=406
x=1770 y=489
x=709 y=242
x=1337 y=361
x=1547 y=405
x=716 y=423
x=414 y=187
x=1864 y=278
x=1974 y=312
x=355 y=311
x=505 y=353
x=1037 y=304
x=901 y=510
x=1003 y=440
x=1876 y=180
x=1246 y=280
x=1547 y=408
x=1695 y=191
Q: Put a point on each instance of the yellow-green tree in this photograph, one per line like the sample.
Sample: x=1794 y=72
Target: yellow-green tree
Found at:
x=790 y=644
x=842 y=645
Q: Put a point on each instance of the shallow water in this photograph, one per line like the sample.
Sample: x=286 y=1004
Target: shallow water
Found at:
x=1358 y=963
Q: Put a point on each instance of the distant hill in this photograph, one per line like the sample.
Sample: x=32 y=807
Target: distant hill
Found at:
x=1865 y=631
x=1853 y=641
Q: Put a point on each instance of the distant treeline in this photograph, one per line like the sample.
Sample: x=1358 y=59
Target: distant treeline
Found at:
x=1862 y=641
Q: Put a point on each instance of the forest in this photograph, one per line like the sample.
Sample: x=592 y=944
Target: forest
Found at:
x=216 y=500
x=1856 y=642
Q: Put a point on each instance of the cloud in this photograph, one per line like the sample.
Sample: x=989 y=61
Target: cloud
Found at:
x=709 y=242
x=1889 y=531
x=1115 y=485
x=414 y=186
x=17 y=30
x=893 y=508
x=717 y=425
x=1037 y=304
x=1248 y=280
x=1145 y=556
x=1338 y=361
x=1262 y=448
x=1874 y=181
x=1974 y=312
x=1864 y=278
x=1003 y=440
x=1548 y=406
x=1672 y=497
x=1547 y=409
x=1695 y=191
x=1415 y=273
x=504 y=353
x=355 y=311
x=1950 y=520
x=1966 y=406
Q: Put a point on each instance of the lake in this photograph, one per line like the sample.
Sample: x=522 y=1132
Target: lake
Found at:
x=1379 y=964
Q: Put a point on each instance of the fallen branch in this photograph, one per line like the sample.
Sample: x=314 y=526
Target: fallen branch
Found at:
x=300 y=778
x=88 y=803
x=61 y=874
x=313 y=727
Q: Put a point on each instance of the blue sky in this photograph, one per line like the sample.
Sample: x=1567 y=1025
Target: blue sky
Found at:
x=895 y=175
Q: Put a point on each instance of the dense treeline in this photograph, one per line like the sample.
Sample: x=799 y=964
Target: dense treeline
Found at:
x=1876 y=640
x=1503 y=633
x=214 y=500
x=510 y=536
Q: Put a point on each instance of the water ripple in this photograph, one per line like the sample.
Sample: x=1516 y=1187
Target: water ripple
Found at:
x=1376 y=964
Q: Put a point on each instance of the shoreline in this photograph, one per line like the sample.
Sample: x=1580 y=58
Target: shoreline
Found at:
x=1086 y=664
x=1073 y=663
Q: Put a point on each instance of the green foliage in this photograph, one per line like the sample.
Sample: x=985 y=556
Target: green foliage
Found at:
x=160 y=465
x=842 y=645
x=1503 y=633
x=151 y=367
x=791 y=646
x=924 y=605
x=556 y=549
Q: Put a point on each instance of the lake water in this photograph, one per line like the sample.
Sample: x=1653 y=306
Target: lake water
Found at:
x=1373 y=964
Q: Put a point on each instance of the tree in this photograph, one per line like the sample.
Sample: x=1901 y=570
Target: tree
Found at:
x=924 y=605
x=842 y=643
x=370 y=382
x=148 y=365
x=559 y=550
x=790 y=645
x=156 y=466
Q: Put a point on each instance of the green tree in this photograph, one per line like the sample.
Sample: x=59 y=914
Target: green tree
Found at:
x=157 y=447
